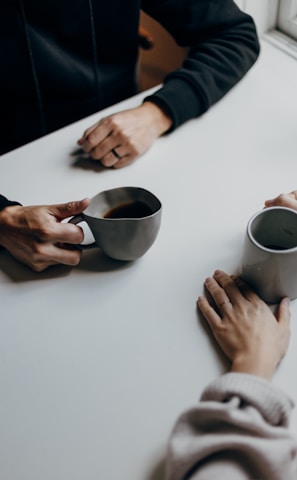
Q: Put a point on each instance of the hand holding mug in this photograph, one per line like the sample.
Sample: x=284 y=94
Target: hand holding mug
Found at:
x=36 y=236
x=284 y=200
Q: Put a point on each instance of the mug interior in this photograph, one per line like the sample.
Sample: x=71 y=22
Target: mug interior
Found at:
x=274 y=228
x=116 y=198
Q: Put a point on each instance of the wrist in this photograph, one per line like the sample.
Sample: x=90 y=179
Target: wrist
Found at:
x=260 y=367
x=8 y=222
x=161 y=120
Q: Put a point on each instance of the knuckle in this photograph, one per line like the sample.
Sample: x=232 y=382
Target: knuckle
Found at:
x=69 y=206
x=79 y=235
x=134 y=150
x=281 y=199
x=39 y=267
x=112 y=123
x=44 y=234
x=38 y=252
x=108 y=160
x=75 y=259
x=92 y=138
x=94 y=154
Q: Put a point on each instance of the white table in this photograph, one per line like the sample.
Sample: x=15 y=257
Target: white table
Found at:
x=97 y=362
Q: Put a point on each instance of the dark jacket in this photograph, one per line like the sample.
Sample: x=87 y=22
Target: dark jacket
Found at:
x=62 y=60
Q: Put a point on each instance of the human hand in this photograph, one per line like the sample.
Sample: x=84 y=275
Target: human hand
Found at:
x=252 y=338
x=118 y=139
x=284 y=200
x=35 y=236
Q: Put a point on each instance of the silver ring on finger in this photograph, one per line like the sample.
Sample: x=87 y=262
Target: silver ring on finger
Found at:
x=113 y=150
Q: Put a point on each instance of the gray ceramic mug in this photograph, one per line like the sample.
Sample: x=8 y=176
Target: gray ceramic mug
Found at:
x=269 y=261
x=124 y=221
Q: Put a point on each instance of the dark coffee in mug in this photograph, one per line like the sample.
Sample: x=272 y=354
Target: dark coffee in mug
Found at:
x=135 y=209
x=275 y=247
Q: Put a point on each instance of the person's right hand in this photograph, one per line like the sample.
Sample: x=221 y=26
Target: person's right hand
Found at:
x=252 y=338
x=35 y=236
x=117 y=140
x=283 y=200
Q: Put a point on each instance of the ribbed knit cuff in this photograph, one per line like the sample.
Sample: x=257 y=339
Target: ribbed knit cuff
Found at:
x=273 y=404
x=179 y=100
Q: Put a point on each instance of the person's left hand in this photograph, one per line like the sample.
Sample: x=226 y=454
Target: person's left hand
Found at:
x=118 y=139
x=252 y=338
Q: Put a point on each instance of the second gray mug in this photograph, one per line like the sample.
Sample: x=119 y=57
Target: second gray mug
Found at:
x=269 y=261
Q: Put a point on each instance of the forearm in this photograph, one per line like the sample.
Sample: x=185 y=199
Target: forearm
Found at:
x=237 y=431
x=223 y=45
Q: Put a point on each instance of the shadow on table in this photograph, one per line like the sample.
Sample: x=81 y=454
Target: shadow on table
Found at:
x=91 y=261
x=95 y=260
x=81 y=160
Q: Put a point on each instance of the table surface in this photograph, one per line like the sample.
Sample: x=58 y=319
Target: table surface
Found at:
x=98 y=361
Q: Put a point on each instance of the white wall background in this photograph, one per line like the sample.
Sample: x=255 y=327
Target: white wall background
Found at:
x=264 y=12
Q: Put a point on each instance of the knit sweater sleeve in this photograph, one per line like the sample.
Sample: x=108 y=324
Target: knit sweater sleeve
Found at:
x=238 y=431
x=4 y=202
x=222 y=45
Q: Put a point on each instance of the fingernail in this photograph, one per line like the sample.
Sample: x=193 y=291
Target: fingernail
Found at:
x=81 y=202
x=218 y=272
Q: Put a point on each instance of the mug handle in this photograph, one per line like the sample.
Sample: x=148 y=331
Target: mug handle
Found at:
x=78 y=219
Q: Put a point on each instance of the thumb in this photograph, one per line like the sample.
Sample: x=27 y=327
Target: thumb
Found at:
x=68 y=209
x=283 y=313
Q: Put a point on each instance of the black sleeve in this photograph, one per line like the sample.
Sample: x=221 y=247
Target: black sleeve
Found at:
x=222 y=46
x=4 y=202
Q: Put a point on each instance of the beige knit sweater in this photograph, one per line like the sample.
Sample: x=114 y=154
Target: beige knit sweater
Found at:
x=238 y=431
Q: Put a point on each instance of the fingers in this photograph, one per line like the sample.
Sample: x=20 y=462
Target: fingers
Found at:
x=69 y=209
x=124 y=161
x=283 y=200
x=87 y=140
x=117 y=140
x=208 y=312
x=65 y=233
x=226 y=292
x=246 y=290
x=56 y=232
x=48 y=255
x=57 y=255
x=217 y=287
x=283 y=314
x=100 y=140
x=116 y=157
x=223 y=289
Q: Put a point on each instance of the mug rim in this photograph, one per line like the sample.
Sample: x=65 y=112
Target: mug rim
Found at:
x=130 y=219
x=259 y=245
